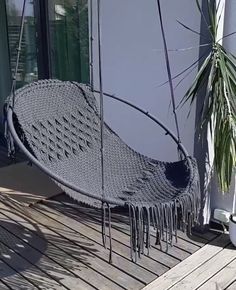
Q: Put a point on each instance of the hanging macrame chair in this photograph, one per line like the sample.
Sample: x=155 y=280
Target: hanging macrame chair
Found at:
x=60 y=128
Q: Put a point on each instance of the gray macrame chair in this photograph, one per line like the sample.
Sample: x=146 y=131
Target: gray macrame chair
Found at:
x=60 y=128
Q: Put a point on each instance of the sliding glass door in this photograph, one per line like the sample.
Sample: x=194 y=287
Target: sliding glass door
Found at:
x=5 y=74
x=28 y=67
x=68 y=33
x=55 y=42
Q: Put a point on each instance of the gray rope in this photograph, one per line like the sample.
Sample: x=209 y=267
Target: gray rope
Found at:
x=110 y=237
x=134 y=233
x=18 y=49
x=106 y=218
x=168 y=70
x=104 y=224
x=131 y=232
x=7 y=134
x=102 y=120
x=101 y=91
x=91 y=47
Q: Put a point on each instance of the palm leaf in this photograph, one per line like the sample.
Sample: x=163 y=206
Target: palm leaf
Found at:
x=218 y=75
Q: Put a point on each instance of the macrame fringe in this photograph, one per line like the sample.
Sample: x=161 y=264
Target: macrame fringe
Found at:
x=7 y=134
x=165 y=218
x=106 y=219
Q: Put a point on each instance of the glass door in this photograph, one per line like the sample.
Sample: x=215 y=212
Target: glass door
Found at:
x=55 y=42
x=28 y=67
x=68 y=39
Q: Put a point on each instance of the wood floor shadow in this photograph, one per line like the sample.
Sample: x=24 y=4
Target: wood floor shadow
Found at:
x=42 y=254
x=15 y=249
x=74 y=210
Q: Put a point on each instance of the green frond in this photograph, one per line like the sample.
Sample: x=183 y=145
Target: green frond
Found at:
x=217 y=75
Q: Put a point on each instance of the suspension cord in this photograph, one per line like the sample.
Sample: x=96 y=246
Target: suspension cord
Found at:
x=18 y=49
x=91 y=46
x=169 y=71
x=11 y=103
x=101 y=92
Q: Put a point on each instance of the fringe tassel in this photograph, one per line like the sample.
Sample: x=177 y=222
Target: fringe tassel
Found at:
x=7 y=133
x=164 y=218
x=106 y=208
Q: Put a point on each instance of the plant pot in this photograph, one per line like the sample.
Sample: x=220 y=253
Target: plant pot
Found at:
x=232 y=229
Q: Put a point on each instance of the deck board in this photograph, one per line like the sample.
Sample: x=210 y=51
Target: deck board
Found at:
x=54 y=248
x=180 y=250
x=23 y=258
x=231 y=286
x=207 y=270
x=86 y=265
x=186 y=267
x=60 y=247
x=224 y=278
x=12 y=279
x=4 y=286
x=35 y=248
x=75 y=229
x=119 y=235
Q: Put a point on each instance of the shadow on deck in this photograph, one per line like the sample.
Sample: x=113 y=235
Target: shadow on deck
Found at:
x=57 y=244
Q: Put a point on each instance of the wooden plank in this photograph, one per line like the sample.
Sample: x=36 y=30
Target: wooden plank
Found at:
x=73 y=217
x=138 y=272
x=176 y=274
x=13 y=279
x=184 y=243
x=223 y=278
x=204 y=236
x=170 y=258
x=209 y=235
x=38 y=247
x=99 y=256
x=53 y=251
x=97 y=270
x=78 y=261
x=4 y=286
x=180 y=250
x=207 y=270
x=78 y=228
x=231 y=287
x=23 y=258
x=192 y=238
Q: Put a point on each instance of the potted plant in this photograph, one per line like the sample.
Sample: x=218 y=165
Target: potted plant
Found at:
x=232 y=229
x=217 y=74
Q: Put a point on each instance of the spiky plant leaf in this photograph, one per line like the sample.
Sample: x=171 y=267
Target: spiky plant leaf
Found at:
x=218 y=74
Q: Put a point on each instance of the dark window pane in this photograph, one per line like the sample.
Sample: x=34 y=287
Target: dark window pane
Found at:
x=69 y=43
x=5 y=76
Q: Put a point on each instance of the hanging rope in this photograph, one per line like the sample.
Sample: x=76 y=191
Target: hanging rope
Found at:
x=8 y=136
x=104 y=204
x=168 y=71
x=18 y=49
x=101 y=92
x=91 y=46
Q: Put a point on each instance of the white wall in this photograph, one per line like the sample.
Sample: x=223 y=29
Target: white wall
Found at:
x=133 y=66
x=217 y=199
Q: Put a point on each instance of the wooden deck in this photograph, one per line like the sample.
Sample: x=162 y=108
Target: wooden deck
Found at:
x=57 y=245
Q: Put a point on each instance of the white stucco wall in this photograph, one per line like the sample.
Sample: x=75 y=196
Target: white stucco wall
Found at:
x=133 y=67
x=217 y=199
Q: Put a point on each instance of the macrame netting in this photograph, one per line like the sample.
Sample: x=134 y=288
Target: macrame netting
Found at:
x=60 y=125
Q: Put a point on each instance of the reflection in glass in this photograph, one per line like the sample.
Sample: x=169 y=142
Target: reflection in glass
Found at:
x=28 y=70
x=69 y=43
